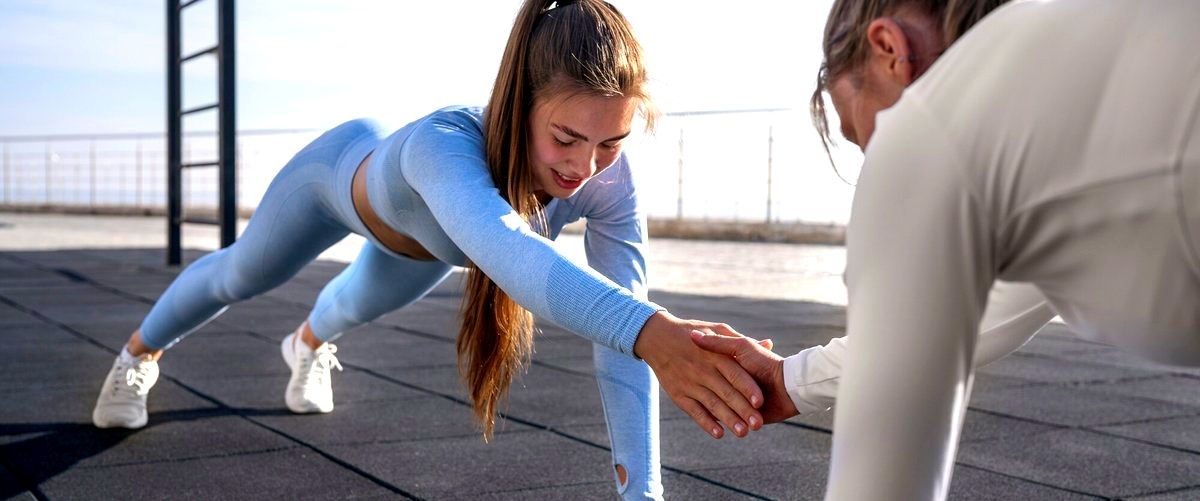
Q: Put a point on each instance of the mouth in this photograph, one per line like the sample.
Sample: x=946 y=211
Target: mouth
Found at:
x=565 y=182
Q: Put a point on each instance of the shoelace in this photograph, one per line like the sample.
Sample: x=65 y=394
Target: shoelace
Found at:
x=323 y=361
x=138 y=378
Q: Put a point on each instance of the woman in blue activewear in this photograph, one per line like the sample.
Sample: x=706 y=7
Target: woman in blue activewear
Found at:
x=483 y=188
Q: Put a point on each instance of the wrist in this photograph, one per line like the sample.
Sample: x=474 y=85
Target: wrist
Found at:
x=779 y=376
x=650 y=338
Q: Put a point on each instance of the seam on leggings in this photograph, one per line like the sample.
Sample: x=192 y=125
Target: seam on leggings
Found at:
x=275 y=227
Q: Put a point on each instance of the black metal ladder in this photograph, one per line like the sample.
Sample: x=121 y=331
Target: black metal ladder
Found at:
x=226 y=126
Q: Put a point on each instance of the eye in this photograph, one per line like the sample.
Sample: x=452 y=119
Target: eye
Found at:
x=612 y=146
x=560 y=142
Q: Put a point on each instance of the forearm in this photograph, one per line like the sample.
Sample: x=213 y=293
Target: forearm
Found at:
x=1014 y=314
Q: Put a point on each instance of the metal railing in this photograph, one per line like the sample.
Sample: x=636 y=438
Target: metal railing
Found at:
x=761 y=167
x=125 y=172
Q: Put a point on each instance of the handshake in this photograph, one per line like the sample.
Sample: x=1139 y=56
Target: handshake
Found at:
x=716 y=375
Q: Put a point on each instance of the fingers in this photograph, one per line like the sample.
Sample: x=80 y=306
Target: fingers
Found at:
x=725 y=330
x=701 y=416
x=735 y=347
x=732 y=346
x=715 y=404
x=741 y=392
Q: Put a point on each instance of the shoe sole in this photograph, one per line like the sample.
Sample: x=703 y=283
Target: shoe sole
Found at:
x=140 y=423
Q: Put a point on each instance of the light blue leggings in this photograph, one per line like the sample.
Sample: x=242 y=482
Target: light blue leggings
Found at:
x=308 y=208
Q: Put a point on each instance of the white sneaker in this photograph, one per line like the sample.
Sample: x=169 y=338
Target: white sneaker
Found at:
x=122 y=402
x=308 y=390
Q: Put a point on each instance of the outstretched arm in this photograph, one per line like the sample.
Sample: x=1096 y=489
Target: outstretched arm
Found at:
x=443 y=161
x=615 y=241
x=918 y=271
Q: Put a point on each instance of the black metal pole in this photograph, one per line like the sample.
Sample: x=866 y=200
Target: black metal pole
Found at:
x=227 y=118
x=174 y=136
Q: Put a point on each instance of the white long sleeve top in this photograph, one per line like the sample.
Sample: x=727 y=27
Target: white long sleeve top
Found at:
x=1055 y=144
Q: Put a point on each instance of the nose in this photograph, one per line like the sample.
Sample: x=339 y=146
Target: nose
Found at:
x=584 y=164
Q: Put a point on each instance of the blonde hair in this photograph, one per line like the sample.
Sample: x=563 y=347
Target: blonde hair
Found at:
x=583 y=46
x=845 y=45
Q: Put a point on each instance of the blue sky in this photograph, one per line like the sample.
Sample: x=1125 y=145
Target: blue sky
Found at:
x=93 y=67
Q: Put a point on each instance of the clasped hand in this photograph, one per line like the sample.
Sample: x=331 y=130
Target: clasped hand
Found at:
x=697 y=364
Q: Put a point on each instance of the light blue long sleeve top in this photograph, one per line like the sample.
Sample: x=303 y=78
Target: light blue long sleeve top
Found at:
x=430 y=181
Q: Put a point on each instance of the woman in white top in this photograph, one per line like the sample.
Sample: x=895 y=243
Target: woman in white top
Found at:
x=1056 y=144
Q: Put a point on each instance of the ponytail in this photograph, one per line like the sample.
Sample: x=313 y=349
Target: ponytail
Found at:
x=577 y=46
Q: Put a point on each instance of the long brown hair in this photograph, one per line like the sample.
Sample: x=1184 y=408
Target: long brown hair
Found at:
x=845 y=45
x=583 y=46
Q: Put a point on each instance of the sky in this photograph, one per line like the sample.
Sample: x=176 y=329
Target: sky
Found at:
x=89 y=67
x=72 y=67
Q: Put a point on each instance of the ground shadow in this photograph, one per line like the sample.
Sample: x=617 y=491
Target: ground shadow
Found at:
x=52 y=448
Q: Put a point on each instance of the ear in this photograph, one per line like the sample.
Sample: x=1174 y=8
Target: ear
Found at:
x=891 y=54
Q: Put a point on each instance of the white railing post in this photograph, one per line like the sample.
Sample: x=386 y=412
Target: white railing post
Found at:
x=92 y=174
x=679 y=200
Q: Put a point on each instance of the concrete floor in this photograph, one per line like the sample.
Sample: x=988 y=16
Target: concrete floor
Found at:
x=1060 y=419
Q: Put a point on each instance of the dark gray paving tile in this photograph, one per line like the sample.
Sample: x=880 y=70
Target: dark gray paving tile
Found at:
x=675 y=486
x=1119 y=358
x=412 y=436
x=981 y=426
x=986 y=383
x=112 y=333
x=543 y=395
x=202 y=356
x=64 y=365
x=266 y=392
x=274 y=320
x=427 y=317
x=511 y=461
x=1183 y=390
x=1052 y=370
x=76 y=317
x=35 y=333
x=686 y=447
x=384 y=421
x=819 y=420
x=79 y=295
x=978 y=426
x=376 y=347
x=1049 y=345
x=1183 y=433
x=553 y=348
x=1086 y=462
x=801 y=479
x=172 y=436
x=679 y=486
x=1074 y=406
x=288 y=474
x=555 y=398
x=31 y=278
x=18 y=319
x=973 y=484
x=442 y=380
x=1178 y=495
x=42 y=407
x=582 y=365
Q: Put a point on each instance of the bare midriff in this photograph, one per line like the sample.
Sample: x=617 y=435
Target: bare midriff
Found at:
x=394 y=241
